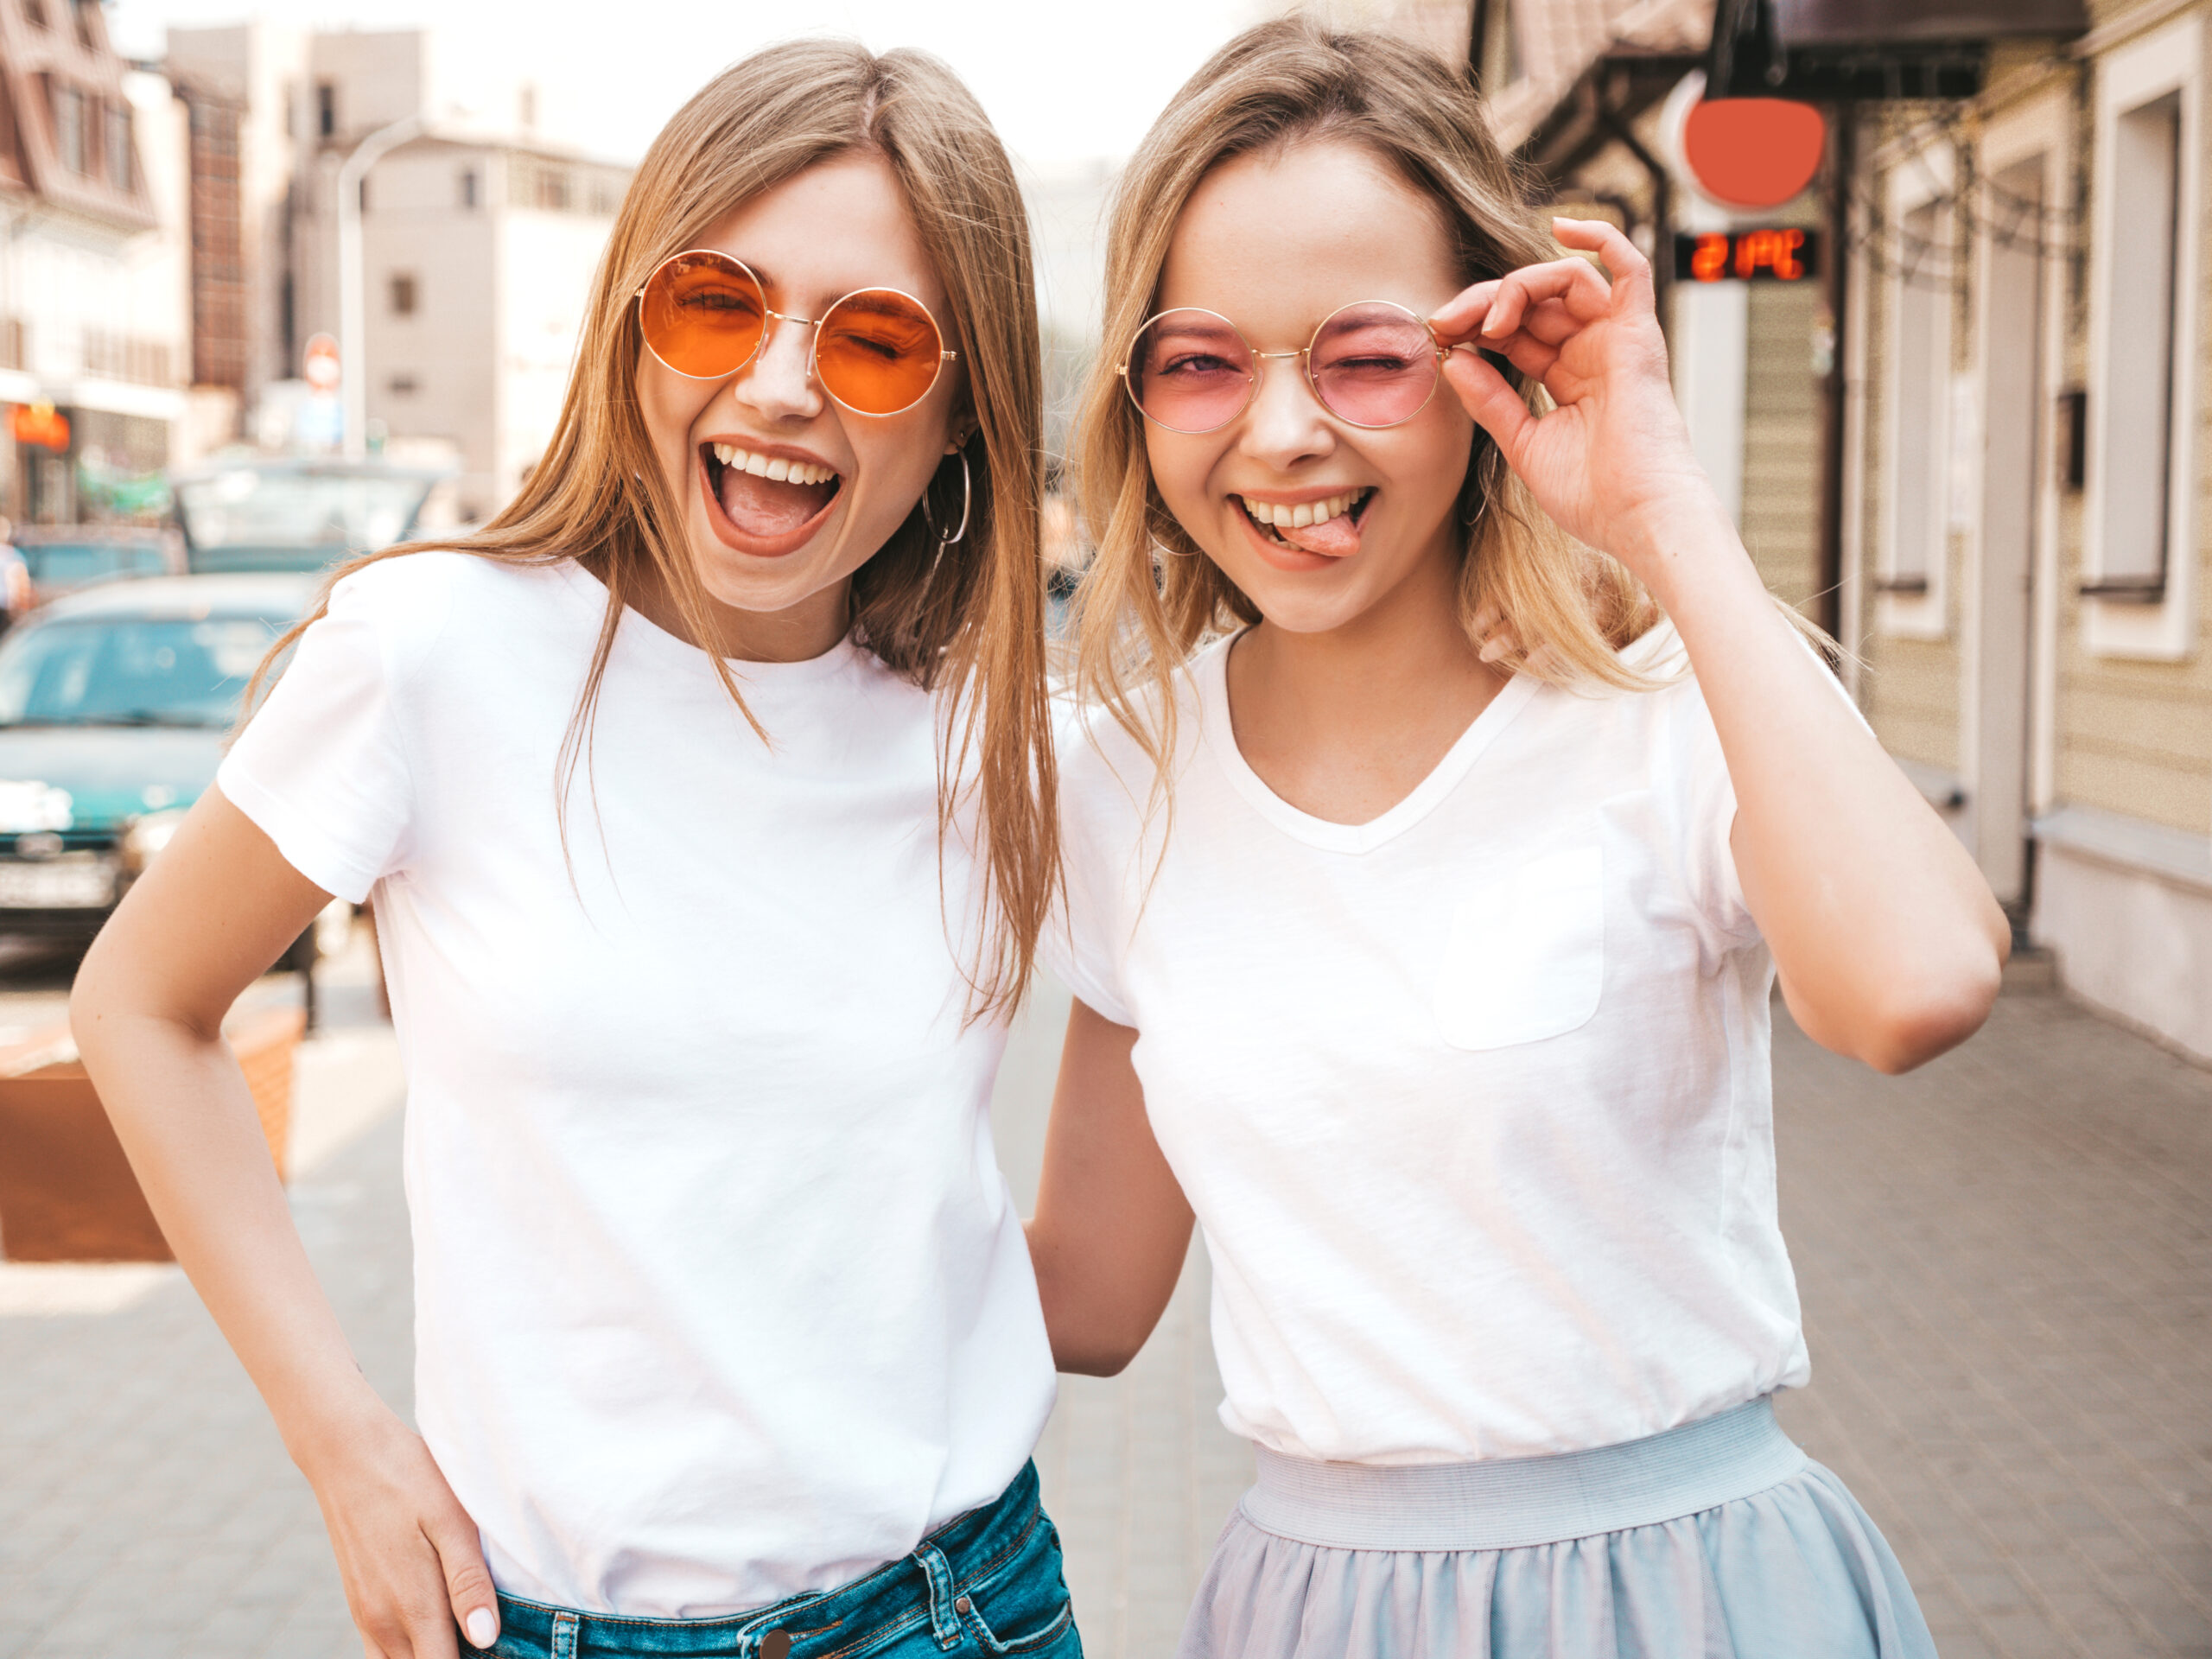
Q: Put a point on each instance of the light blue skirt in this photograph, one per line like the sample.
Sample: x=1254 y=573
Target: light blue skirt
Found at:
x=1718 y=1540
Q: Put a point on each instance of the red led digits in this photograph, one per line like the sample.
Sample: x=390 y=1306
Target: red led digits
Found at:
x=1771 y=254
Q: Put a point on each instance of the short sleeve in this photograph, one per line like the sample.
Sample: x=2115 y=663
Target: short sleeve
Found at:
x=1087 y=934
x=321 y=767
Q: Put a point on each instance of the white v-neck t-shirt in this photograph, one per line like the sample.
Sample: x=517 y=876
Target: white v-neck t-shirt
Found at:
x=719 y=1294
x=1472 y=1101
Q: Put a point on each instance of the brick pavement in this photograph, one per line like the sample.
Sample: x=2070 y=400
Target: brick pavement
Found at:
x=2007 y=1267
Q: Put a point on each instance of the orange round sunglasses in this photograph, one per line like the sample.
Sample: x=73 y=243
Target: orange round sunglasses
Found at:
x=877 y=351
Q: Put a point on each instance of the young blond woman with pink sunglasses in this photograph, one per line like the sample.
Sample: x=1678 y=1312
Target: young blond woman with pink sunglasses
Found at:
x=704 y=799
x=1422 y=923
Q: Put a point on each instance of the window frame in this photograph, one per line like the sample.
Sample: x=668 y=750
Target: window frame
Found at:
x=2166 y=61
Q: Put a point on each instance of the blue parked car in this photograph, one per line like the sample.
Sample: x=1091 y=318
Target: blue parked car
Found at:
x=114 y=704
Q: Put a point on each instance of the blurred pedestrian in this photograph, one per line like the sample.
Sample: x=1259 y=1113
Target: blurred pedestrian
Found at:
x=1422 y=927
x=703 y=800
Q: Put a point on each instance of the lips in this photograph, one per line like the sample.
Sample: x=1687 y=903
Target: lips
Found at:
x=1330 y=526
x=769 y=505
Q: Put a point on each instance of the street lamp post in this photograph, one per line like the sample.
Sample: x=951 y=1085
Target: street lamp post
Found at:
x=352 y=281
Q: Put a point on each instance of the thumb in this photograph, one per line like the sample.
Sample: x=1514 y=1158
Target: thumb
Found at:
x=1489 y=399
x=468 y=1582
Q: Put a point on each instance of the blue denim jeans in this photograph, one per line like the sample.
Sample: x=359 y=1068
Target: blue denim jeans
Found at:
x=987 y=1583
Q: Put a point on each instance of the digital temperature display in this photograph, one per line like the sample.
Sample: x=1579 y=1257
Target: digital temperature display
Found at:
x=1773 y=255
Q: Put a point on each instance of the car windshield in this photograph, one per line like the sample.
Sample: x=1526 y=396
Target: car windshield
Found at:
x=257 y=518
x=131 y=670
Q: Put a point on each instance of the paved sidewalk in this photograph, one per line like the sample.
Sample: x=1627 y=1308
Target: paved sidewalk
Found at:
x=2007 y=1269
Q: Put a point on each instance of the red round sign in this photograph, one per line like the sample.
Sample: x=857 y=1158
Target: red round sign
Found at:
x=1754 y=152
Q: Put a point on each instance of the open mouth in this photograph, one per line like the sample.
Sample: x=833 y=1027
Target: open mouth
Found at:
x=1330 y=526
x=767 y=499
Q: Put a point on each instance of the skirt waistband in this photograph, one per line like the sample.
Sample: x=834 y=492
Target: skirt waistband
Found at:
x=1518 y=1503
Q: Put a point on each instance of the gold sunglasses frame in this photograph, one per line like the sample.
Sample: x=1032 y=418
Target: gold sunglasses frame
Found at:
x=1305 y=370
x=814 y=344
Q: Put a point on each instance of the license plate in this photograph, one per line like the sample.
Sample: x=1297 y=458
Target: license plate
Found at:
x=56 y=886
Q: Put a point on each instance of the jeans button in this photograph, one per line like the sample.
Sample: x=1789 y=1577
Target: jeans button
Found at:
x=777 y=1644
x=962 y=1605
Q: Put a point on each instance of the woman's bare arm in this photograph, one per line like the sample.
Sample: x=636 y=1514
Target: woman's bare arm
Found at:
x=210 y=916
x=1112 y=1226
x=1888 y=943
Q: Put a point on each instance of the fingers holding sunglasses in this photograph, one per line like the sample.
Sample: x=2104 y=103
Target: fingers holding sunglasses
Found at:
x=1491 y=310
x=1489 y=397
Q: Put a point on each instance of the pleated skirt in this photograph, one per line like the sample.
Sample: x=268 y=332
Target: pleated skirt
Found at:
x=1718 y=1540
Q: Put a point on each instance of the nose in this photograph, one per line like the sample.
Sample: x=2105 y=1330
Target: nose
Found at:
x=778 y=384
x=1285 y=423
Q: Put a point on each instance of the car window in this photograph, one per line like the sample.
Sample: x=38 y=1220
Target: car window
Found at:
x=131 y=670
x=57 y=562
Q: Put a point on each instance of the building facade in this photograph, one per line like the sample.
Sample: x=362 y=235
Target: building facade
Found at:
x=2028 y=588
x=479 y=245
x=93 y=290
x=1978 y=450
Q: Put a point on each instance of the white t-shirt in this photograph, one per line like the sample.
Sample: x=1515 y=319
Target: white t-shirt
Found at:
x=719 y=1294
x=1472 y=1101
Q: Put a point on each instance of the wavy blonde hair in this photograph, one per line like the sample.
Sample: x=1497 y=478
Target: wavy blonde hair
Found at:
x=969 y=619
x=1569 y=609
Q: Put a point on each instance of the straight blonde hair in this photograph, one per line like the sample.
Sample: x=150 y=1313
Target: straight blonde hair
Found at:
x=1570 y=609
x=968 y=619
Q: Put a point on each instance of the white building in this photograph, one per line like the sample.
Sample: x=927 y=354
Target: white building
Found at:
x=479 y=240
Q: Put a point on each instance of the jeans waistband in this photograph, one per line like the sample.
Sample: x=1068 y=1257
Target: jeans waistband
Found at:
x=1517 y=1502
x=916 y=1590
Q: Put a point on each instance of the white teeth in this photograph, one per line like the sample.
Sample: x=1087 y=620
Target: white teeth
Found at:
x=775 y=469
x=1298 y=518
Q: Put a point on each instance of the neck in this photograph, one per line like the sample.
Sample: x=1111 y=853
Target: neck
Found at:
x=1406 y=654
x=793 y=635
x=1345 y=723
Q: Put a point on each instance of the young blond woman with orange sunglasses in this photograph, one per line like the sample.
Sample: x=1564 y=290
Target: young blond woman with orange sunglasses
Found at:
x=1426 y=960
x=704 y=799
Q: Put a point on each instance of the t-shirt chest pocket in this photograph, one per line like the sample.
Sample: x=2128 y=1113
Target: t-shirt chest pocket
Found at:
x=1526 y=955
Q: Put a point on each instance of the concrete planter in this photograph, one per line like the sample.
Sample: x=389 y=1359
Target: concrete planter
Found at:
x=67 y=1192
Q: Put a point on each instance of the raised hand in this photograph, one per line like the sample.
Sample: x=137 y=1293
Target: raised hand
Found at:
x=1612 y=462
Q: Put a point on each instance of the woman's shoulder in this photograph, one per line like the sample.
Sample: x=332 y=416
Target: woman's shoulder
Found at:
x=1111 y=752
x=402 y=583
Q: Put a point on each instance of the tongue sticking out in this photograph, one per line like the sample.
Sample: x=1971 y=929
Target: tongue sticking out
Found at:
x=763 y=506
x=1337 y=536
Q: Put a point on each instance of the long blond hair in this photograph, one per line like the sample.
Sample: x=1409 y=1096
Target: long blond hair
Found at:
x=1571 y=609
x=970 y=618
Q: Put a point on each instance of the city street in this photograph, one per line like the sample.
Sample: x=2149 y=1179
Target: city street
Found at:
x=2007 y=1269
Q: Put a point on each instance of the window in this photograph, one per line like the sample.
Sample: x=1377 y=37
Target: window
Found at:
x=82 y=11
x=69 y=126
x=325 y=109
x=2141 y=393
x=468 y=188
x=401 y=385
x=120 y=151
x=35 y=10
x=402 y=294
x=1917 y=501
x=2137 y=455
x=1922 y=316
x=553 y=189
